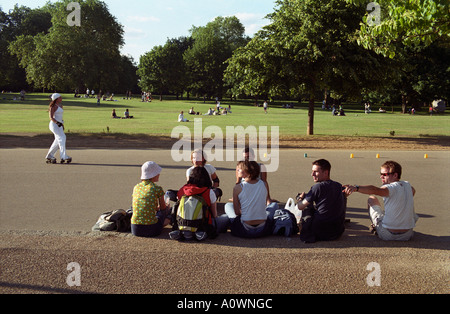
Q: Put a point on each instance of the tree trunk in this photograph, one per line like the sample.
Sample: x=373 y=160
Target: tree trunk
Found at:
x=404 y=104
x=310 y=130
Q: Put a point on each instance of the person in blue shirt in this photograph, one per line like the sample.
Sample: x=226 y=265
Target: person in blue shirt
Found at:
x=324 y=206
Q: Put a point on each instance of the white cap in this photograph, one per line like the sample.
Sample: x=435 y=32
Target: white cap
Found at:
x=150 y=170
x=55 y=96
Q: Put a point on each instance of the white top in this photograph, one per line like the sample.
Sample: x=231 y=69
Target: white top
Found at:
x=211 y=170
x=58 y=115
x=253 y=199
x=212 y=196
x=399 y=206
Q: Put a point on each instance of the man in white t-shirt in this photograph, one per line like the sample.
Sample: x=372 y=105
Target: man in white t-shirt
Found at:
x=398 y=219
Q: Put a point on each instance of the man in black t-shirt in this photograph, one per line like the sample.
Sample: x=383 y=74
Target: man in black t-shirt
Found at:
x=324 y=206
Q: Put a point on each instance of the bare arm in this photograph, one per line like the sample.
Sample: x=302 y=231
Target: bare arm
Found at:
x=301 y=202
x=236 y=204
x=214 y=209
x=162 y=203
x=367 y=189
x=52 y=113
x=215 y=178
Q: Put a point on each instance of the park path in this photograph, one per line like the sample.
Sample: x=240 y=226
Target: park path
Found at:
x=47 y=211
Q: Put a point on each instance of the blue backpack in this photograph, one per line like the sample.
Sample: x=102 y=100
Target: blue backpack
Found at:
x=285 y=223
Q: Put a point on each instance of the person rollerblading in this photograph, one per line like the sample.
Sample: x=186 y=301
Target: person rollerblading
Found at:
x=50 y=160
x=68 y=160
x=56 y=125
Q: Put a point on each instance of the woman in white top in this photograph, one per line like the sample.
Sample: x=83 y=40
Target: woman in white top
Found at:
x=251 y=213
x=198 y=159
x=181 y=117
x=57 y=127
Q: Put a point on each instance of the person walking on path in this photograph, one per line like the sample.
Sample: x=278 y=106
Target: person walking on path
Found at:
x=57 y=127
x=398 y=219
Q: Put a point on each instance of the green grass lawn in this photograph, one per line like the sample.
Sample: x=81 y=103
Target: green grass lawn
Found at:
x=83 y=116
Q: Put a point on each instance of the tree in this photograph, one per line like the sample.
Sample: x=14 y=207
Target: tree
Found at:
x=424 y=76
x=213 y=45
x=69 y=57
x=151 y=71
x=128 y=78
x=20 y=21
x=163 y=68
x=307 y=48
x=395 y=24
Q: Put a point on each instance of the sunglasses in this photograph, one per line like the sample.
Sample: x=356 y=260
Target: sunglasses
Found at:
x=386 y=174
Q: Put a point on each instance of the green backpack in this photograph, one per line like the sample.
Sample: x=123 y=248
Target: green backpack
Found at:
x=193 y=219
x=191 y=213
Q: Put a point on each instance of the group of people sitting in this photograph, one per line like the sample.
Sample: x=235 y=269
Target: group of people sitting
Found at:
x=250 y=213
x=126 y=115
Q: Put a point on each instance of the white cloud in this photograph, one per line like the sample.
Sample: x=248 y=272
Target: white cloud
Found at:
x=142 y=19
x=134 y=33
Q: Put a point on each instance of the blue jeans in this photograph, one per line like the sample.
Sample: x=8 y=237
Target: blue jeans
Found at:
x=239 y=229
x=149 y=231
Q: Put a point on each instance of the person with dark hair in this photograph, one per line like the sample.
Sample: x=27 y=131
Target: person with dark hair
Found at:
x=251 y=213
x=324 y=206
x=398 y=219
x=198 y=159
x=57 y=127
x=200 y=183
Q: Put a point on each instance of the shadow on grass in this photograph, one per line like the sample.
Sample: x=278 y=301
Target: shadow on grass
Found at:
x=145 y=141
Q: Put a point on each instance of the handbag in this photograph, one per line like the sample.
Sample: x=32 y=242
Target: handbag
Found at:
x=292 y=207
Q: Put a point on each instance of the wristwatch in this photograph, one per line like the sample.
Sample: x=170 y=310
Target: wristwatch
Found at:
x=357 y=188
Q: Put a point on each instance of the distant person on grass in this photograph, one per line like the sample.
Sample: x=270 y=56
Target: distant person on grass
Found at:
x=181 y=117
x=114 y=114
x=127 y=115
x=398 y=219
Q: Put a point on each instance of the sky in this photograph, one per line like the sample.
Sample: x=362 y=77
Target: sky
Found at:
x=148 y=23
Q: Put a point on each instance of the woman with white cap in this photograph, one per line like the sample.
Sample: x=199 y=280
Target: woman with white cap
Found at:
x=149 y=208
x=57 y=127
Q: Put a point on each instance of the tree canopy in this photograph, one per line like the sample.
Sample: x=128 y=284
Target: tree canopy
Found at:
x=396 y=23
x=388 y=52
x=67 y=57
x=306 y=49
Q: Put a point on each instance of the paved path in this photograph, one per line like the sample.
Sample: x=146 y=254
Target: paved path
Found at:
x=47 y=211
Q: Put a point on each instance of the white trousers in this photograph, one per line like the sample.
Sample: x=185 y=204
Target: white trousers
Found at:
x=58 y=143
